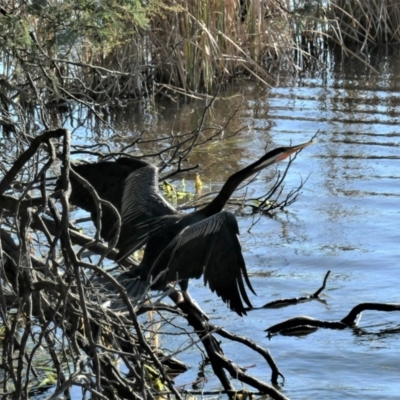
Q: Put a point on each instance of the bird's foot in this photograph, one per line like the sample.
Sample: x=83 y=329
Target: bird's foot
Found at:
x=191 y=303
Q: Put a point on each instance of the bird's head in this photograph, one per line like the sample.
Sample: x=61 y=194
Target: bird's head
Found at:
x=277 y=155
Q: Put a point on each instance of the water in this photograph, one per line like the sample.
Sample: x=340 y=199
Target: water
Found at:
x=346 y=220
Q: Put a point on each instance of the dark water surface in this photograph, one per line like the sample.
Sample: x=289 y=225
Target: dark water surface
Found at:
x=347 y=220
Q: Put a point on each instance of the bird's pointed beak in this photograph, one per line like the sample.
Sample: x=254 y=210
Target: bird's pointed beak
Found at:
x=290 y=150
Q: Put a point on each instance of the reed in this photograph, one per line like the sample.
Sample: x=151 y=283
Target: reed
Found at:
x=198 y=44
x=118 y=49
x=368 y=22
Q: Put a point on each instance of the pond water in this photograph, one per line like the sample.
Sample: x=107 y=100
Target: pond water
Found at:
x=346 y=220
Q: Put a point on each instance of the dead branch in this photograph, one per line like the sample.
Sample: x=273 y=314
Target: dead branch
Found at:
x=301 y=325
x=25 y=156
x=219 y=362
x=287 y=302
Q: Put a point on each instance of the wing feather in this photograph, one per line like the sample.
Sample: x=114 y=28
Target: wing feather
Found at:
x=211 y=248
x=142 y=210
x=131 y=185
x=141 y=198
x=107 y=178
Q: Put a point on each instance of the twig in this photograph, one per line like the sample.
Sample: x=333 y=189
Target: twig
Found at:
x=27 y=154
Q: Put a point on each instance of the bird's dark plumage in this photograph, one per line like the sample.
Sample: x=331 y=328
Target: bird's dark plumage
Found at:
x=178 y=246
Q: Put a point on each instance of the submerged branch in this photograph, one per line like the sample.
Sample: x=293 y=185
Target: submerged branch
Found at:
x=304 y=325
x=291 y=301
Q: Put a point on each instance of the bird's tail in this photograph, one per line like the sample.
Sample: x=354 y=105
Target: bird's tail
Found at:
x=134 y=283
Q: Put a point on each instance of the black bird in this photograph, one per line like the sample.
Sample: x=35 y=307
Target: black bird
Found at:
x=182 y=246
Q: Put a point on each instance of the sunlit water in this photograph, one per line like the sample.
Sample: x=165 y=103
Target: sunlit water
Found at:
x=346 y=220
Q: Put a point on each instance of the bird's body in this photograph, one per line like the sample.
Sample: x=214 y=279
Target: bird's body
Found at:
x=184 y=246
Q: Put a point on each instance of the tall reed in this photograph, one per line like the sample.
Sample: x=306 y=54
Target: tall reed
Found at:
x=196 y=44
x=367 y=21
x=114 y=49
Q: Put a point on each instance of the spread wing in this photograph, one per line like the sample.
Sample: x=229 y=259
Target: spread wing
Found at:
x=131 y=185
x=108 y=179
x=210 y=248
x=142 y=209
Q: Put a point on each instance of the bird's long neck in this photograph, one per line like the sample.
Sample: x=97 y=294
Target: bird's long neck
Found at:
x=218 y=203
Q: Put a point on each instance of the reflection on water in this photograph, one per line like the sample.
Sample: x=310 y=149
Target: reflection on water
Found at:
x=346 y=220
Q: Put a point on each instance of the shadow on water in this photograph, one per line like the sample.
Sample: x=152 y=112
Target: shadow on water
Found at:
x=346 y=220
